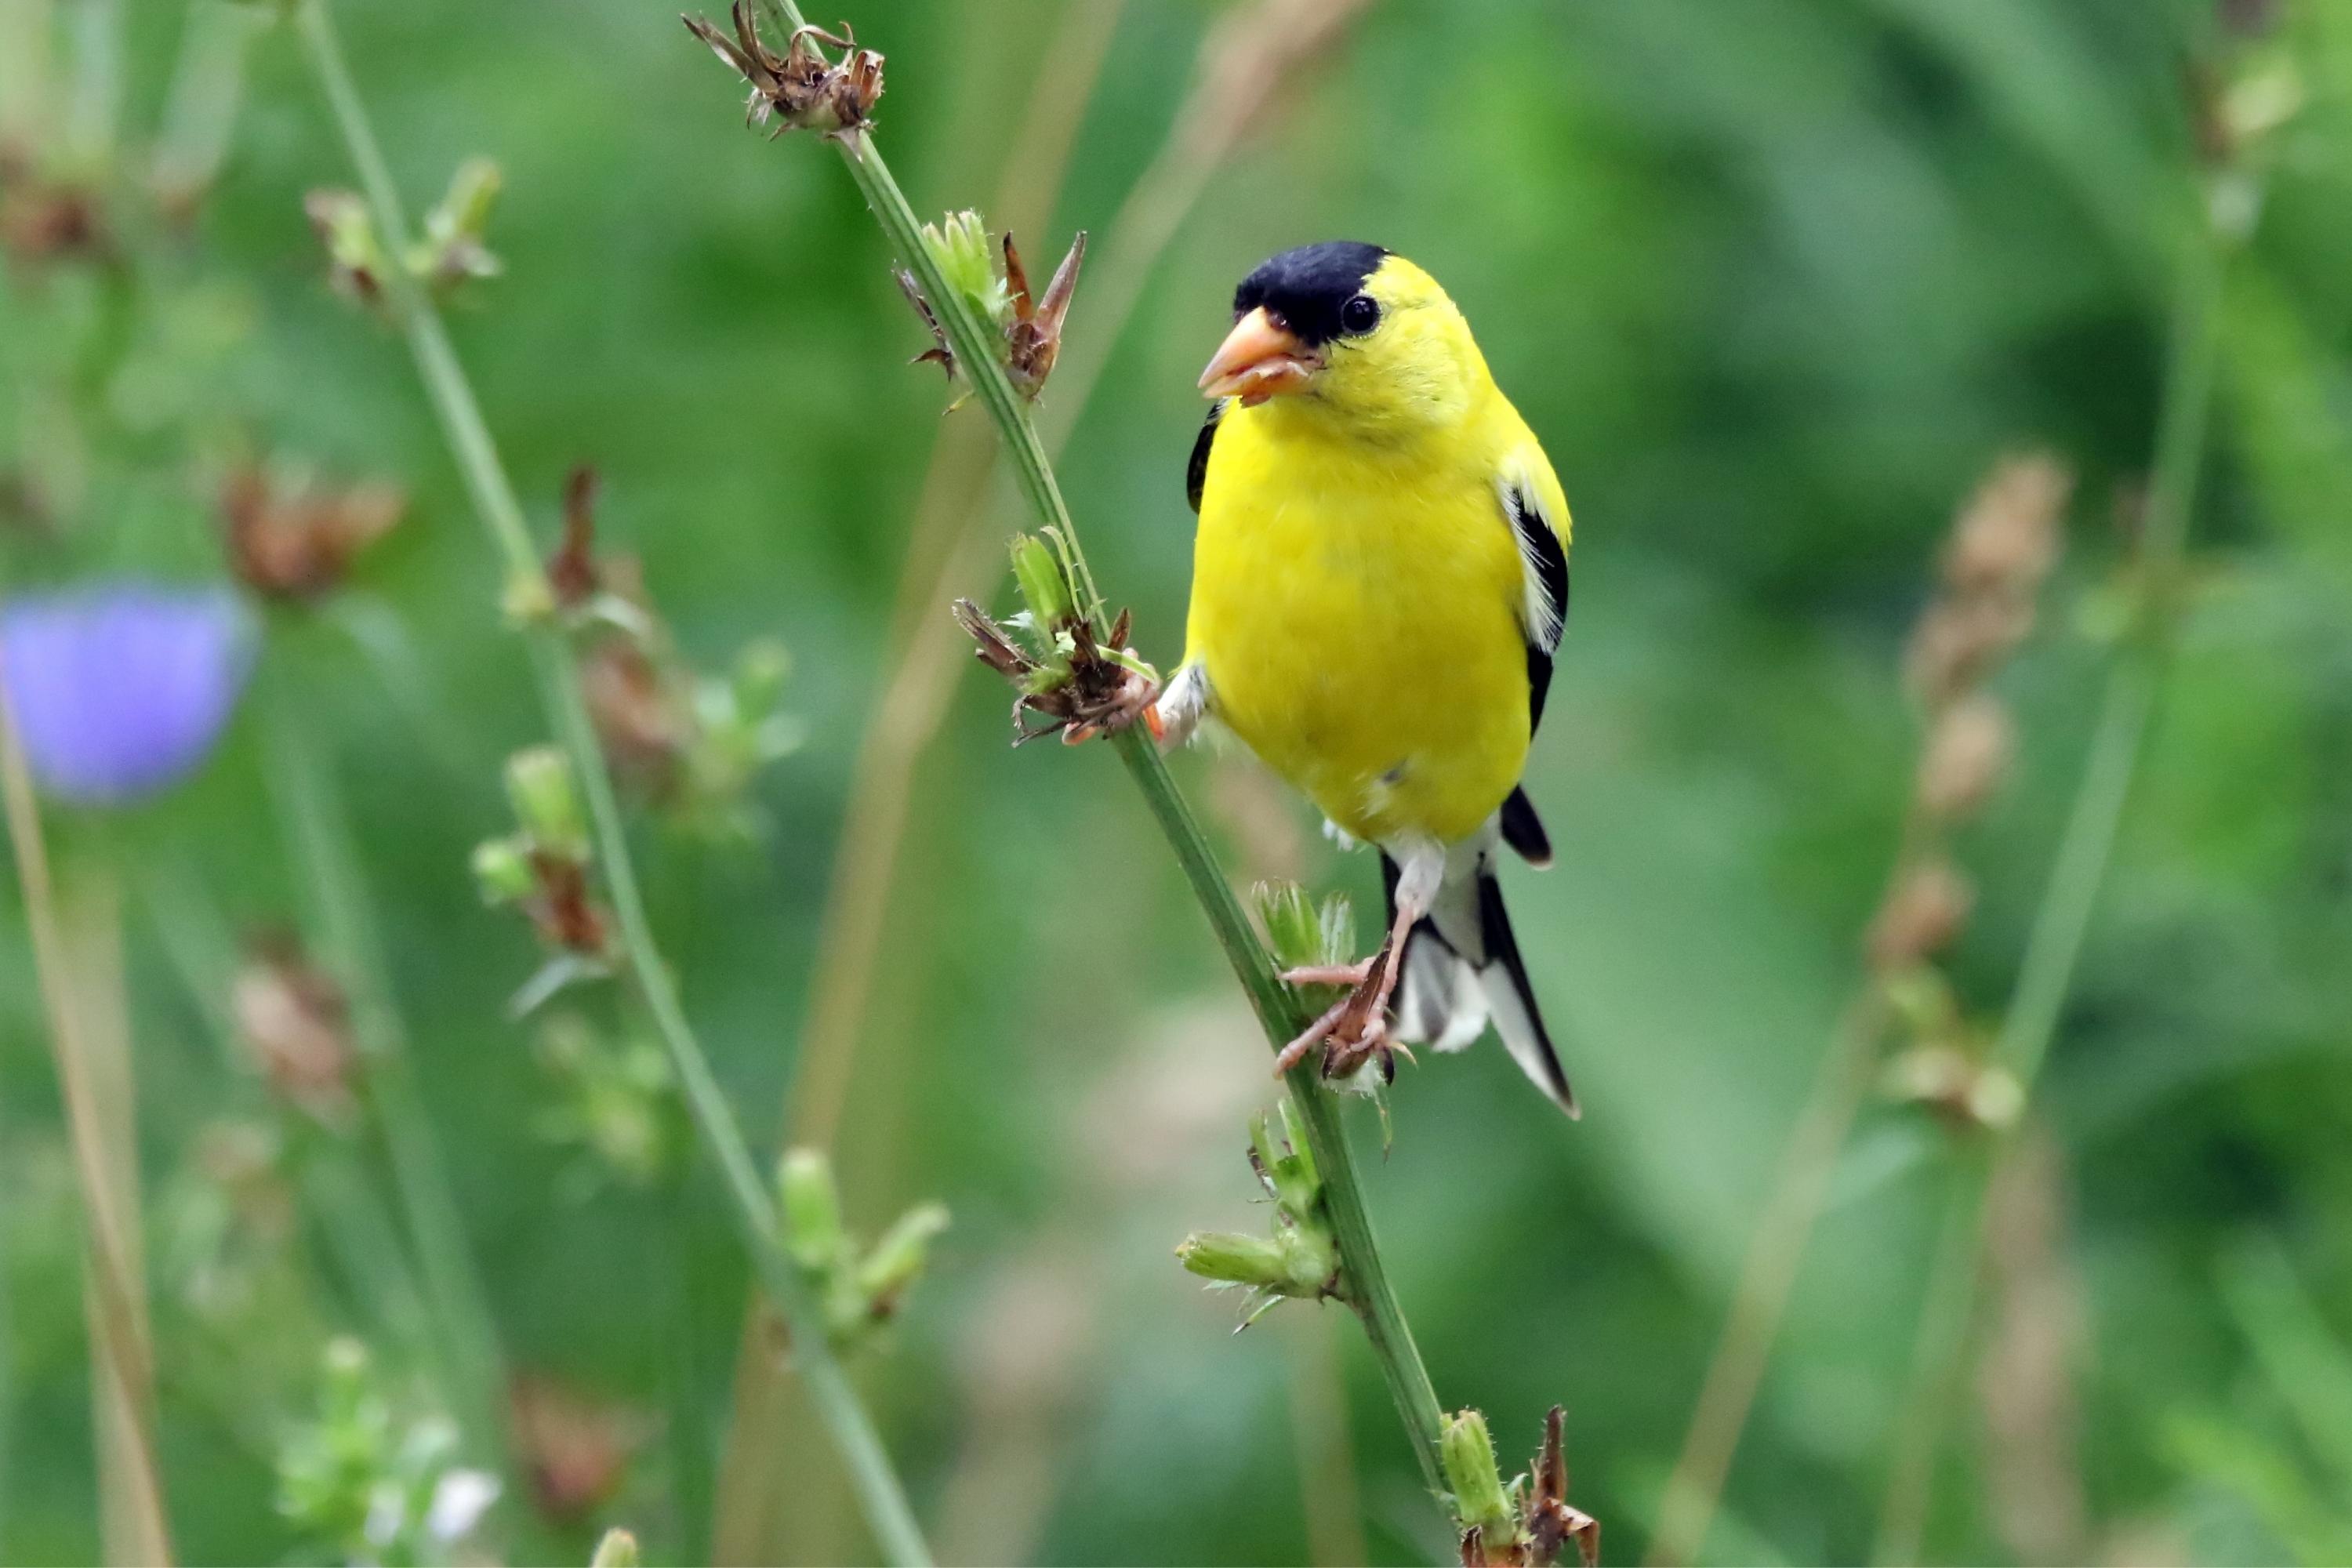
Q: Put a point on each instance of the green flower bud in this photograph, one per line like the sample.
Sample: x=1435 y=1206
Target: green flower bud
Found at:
x=1231 y=1257
x=473 y=192
x=454 y=244
x=897 y=1258
x=347 y=229
x=617 y=1549
x=1044 y=587
x=1288 y=916
x=530 y=598
x=502 y=871
x=1336 y=924
x=761 y=670
x=1310 y=1259
x=1479 y=1500
x=1288 y=1167
x=546 y=802
x=812 y=1207
x=959 y=244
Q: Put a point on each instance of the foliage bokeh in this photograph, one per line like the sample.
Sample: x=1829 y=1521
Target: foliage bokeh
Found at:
x=1776 y=282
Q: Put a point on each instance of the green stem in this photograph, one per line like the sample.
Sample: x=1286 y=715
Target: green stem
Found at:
x=200 y=108
x=2062 y=923
x=1282 y=1017
x=878 y=1485
x=353 y=951
x=1276 y=1007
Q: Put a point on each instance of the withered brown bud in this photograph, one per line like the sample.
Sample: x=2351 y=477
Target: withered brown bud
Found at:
x=46 y=221
x=573 y=572
x=295 y=1020
x=300 y=543
x=800 y=89
x=1925 y=911
x=576 y=1449
x=1090 y=694
x=1967 y=753
x=643 y=731
x=1032 y=339
x=2007 y=536
x=563 y=908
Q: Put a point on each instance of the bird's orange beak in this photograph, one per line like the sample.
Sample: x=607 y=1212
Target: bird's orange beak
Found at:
x=1259 y=359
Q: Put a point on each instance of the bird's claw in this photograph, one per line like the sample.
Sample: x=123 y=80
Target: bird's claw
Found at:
x=1354 y=1029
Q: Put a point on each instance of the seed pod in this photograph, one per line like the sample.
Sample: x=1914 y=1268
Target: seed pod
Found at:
x=2006 y=538
x=1967 y=753
x=1928 y=909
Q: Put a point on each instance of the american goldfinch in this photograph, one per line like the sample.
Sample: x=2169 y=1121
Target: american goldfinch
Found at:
x=1378 y=581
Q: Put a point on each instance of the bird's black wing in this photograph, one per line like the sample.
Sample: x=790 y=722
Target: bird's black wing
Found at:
x=1196 y=472
x=1544 y=609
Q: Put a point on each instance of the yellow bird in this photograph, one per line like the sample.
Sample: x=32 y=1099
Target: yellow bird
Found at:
x=1379 y=582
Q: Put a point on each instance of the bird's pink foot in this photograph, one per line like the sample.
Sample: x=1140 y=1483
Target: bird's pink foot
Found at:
x=1349 y=974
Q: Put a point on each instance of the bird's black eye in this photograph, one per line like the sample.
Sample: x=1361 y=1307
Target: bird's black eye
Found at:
x=1359 y=315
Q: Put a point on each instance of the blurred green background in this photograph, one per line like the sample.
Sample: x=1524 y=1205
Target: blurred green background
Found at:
x=1777 y=281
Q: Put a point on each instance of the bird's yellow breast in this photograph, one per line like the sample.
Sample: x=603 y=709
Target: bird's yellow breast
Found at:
x=1355 y=608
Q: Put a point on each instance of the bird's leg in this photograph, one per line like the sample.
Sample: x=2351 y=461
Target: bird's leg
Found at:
x=1176 y=711
x=1349 y=974
x=1359 y=1020
x=1316 y=1033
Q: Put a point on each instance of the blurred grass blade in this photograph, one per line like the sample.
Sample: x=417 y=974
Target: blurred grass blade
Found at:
x=121 y=1352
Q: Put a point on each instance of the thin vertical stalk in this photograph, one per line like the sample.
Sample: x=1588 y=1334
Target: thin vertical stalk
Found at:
x=25 y=27
x=95 y=99
x=200 y=107
x=307 y=802
x=1767 y=1275
x=120 y=1350
x=947 y=547
x=91 y=920
x=469 y=440
x=1278 y=1009
x=2062 y=923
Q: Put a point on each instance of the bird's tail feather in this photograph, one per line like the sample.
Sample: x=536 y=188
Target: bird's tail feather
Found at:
x=1463 y=968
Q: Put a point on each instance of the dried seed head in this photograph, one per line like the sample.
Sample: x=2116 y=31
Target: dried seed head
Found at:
x=295 y=1021
x=43 y=222
x=1927 y=910
x=800 y=89
x=641 y=728
x=1967 y=755
x=298 y=542
x=575 y=1449
x=1959 y=640
x=2005 y=539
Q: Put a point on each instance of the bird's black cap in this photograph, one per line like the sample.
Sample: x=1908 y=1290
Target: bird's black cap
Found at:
x=1307 y=287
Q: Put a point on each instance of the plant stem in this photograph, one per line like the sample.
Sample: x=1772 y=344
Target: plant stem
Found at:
x=1281 y=1014
x=1278 y=1009
x=200 y=108
x=1767 y=1275
x=306 y=801
x=878 y=1485
x=122 y=1351
x=2054 y=944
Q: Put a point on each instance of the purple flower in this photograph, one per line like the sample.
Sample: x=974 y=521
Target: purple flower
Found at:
x=120 y=689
